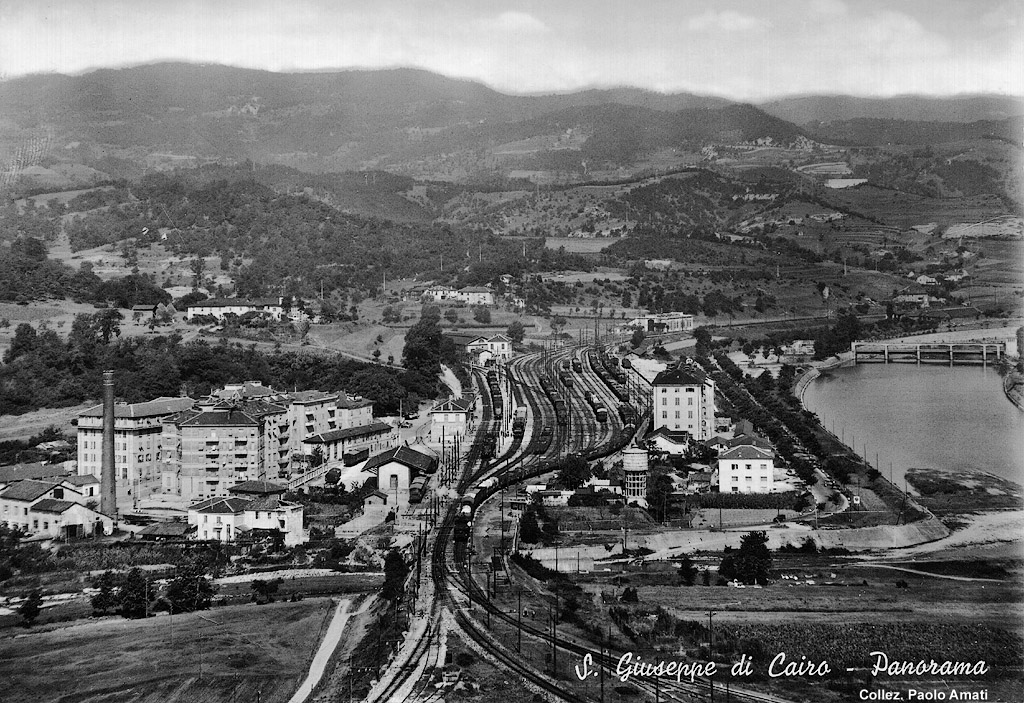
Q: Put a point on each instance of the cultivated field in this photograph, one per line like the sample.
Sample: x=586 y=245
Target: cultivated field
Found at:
x=242 y=653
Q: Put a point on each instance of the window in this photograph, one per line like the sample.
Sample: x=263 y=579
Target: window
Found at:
x=677 y=414
x=764 y=479
x=677 y=401
x=664 y=414
x=46 y=524
x=690 y=390
x=393 y=481
x=664 y=401
x=749 y=479
x=689 y=401
x=58 y=493
x=690 y=414
x=735 y=479
x=747 y=467
x=35 y=524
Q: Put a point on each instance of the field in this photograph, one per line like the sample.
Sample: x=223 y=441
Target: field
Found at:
x=963 y=491
x=580 y=245
x=215 y=656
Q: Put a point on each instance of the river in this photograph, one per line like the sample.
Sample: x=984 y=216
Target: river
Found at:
x=922 y=417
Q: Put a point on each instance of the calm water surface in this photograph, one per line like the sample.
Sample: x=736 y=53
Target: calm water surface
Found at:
x=923 y=417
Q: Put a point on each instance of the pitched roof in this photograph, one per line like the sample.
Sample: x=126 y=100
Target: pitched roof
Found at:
x=453 y=405
x=746 y=451
x=680 y=376
x=463 y=339
x=352 y=401
x=403 y=455
x=475 y=289
x=167 y=529
x=677 y=436
x=19 y=472
x=86 y=480
x=258 y=488
x=311 y=396
x=349 y=433
x=237 y=302
x=164 y=405
x=50 y=505
x=221 y=418
x=28 y=490
x=748 y=440
x=221 y=505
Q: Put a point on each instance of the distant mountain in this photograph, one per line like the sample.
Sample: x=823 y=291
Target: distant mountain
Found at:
x=876 y=132
x=410 y=121
x=835 y=108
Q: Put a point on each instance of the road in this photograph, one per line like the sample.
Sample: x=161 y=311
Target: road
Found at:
x=324 y=652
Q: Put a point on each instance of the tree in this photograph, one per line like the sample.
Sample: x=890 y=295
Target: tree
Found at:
x=687 y=571
x=106 y=599
x=395 y=573
x=658 y=494
x=751 y=563
x=573 y=472
x=133 y=595
x=529 y=530
x=264 y=591
x=30 y=608
x=516 y=332
x=558 y=323
x=482 y=315
x=197 y=266
x=108 y=323
x=190 y=589
x=638 y=338
x=451 y=315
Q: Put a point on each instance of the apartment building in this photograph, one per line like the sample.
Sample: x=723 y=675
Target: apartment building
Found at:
x=138 y=445
x=683 y=398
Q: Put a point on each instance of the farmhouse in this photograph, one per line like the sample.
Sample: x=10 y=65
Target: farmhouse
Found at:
x=221 y=307
x=248 y=518
x=451 y=418
x=664 y=322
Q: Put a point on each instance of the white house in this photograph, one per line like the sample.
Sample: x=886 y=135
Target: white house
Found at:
x=475 y=296
x=746 y=468
x=451 y=418
x=220 y=307
x=50 y=509
x=247 y=517
x=497 y=347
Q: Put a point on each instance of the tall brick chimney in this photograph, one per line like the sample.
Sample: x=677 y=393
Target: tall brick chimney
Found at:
x=108 y=477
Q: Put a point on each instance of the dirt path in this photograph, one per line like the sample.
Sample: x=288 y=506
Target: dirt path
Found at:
x=324 y=652
x=918 y=572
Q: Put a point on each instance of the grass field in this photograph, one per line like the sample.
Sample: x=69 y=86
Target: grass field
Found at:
x=225 y=654
x=578 y=245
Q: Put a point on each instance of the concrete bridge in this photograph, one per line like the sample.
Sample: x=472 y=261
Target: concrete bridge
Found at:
x=928 y=353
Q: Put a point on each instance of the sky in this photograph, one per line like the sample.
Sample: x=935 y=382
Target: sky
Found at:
x=741 y=49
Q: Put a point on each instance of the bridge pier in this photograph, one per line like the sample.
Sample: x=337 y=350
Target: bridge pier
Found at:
x=951 y=355
x=918 y=348
x=885 y=353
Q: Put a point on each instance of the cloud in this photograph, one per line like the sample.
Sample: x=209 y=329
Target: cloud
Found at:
x=516 y=22
x=725 y=21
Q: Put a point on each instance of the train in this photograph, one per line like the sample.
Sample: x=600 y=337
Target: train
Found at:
x=566 y=378
x=353 y=458
x=551 y=391
x=418 y=489
x=600 y=412
x=577 y=365
x=543 y=440
x=519 y=422
x=489 y=446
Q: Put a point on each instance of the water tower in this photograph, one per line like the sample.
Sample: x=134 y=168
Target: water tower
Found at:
x=635 y=469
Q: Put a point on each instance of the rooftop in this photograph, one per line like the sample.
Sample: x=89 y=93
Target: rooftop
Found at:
x=19 y=472
x=221 y=418
x=258 y=488
x=153 y=408
x=349 y=433
x=28 y=490
x=50 y=505
x=746 y=451
x=403 y=455
x=680 y=376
